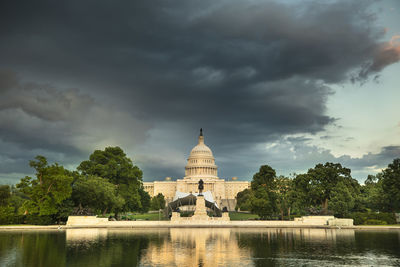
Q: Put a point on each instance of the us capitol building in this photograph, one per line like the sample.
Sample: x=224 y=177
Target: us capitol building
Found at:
x=200 y=165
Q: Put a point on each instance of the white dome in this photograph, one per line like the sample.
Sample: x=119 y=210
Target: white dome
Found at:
x=201 y=148
x=201 y=162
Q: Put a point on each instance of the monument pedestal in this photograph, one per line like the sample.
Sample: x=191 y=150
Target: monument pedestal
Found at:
x=200 y=213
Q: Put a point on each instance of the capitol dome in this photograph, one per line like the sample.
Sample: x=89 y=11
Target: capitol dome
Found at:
x=201 y=162
x=201 y=148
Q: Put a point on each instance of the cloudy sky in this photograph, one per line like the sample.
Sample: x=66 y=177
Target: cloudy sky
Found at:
x=285 y=83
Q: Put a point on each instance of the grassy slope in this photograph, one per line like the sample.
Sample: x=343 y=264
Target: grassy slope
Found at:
x=145 y=216
x=238 y=216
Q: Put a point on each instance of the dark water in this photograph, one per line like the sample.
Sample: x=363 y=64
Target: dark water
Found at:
x=200 y=247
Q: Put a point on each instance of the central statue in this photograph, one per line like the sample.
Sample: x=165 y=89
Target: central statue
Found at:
x=201 y=187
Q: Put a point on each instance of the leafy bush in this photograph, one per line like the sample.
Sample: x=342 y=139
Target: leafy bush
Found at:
x=374 y=222
x=363 y=217
x=6 y=214
x=388 y=217
x=39 y=220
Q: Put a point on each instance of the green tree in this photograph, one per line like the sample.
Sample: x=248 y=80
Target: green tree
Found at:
x=391 y=185
x=157 y=202
x=284 y=199
x=10 y=203
x=6 y=210
x=64 y=209
x=243 y=200
x=265 y=177
x=320 y=182
x=263 y=186
x=114 y=165
x=342 y=200
x=50 y=188
x=17 y=198
x=6 y=214
x=5 y=195
x=301 y=193
x=373 y=196
x=96 y=193
x=145 y=200
x=261 y=203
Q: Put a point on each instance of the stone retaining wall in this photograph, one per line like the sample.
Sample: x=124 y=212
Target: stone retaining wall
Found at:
x=308 y=221
x=86 y=220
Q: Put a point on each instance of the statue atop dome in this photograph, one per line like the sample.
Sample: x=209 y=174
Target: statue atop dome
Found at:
x=201 y=137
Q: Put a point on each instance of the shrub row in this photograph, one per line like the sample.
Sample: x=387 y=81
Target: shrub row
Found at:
x=7 y=216
x=373 y=218
x=27 y=219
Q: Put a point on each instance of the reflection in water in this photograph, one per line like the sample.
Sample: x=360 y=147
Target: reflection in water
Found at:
x=270 y=247
x=79 y=236
x=32 y=248
x=108 y=247
x=199 y=247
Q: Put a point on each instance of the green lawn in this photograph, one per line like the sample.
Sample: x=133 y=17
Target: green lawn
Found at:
x=144 y=216
x=239 y=216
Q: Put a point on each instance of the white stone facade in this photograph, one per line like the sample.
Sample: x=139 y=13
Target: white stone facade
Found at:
x=200 y=165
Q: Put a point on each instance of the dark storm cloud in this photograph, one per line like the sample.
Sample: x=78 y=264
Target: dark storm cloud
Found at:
x=249 y=72
x=38 y=116
x=380 y=159
x=65 y=125
x=301 y=156
x=385 y=55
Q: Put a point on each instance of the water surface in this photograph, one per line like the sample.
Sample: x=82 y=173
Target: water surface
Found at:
x=200 y=247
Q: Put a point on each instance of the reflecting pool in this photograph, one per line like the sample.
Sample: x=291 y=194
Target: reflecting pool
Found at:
x=200 y=247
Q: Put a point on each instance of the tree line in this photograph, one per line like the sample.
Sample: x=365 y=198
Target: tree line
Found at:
x=326 y=189
x=107 y=182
